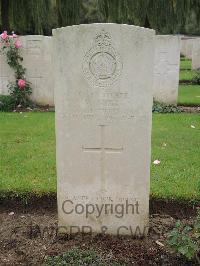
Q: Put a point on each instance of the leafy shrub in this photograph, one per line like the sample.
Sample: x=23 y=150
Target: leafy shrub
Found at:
x=19 y=95
x=7 y=103
x=164 y=108
x=196 y=78
x=185 y=239
x=19 y=90
x=78 y=257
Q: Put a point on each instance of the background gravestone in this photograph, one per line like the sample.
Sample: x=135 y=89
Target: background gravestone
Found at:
x=103 y=100
x=6 y=75
x=187 y=46
x=37 y=59
x=37 y=53
x=166 y=69
x=196 y=54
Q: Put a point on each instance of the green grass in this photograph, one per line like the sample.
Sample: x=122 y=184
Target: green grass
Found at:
x=189 y=95
x=27 y=152
x=178 y=175
x=185 y=63
x=28 y=166
x=187 y=74
x=77 y=256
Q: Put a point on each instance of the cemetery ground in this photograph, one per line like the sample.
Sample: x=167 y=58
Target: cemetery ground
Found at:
x=189 y=92
x=28 y=213
x=28 y=155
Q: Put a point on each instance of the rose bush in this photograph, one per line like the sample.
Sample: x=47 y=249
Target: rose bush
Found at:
x=20 y=89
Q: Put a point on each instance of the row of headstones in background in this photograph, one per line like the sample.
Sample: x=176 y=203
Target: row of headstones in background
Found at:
x=190 y=48
x=37 y=53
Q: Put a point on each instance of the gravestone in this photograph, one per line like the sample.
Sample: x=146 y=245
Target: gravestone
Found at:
x=6 y=75
x=103 y=101
x=196 y=54
x=37 y=54
x=166 y=68
x=187 y=46
x=37 y=59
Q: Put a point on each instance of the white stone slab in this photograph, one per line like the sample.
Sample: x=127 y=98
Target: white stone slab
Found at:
x=187 y=46
x=37 y=54
x=103 y=98
x=6 y=75
x=166 y=68
x=196 y=54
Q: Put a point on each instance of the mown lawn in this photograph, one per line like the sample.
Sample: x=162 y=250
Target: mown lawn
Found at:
x=187 y=75
x=178 y=175
x=185 y=63
x=189 y=95
x=27 y=151
x=186 y=72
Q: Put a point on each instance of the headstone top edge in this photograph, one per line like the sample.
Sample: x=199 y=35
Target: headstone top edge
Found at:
x=168 y=36
x=102 y=24
x=34 y=36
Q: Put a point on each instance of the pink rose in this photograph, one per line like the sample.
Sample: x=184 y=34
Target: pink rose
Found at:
x=18 y=44
x=14 y=35
x=4 y=35
x=21 y=83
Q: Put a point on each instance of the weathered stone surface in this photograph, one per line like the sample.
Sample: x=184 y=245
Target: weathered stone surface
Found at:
x=103 y=98
x=6 y=75
x=166 y=68
x=196 y=54
x=187 y=46
x=37 y=52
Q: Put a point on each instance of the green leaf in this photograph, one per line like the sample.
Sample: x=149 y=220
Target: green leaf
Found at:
x=183 y=250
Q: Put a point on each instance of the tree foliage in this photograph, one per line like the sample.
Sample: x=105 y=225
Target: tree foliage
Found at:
x=40 y=16
x=68 y=12
x=166 y=16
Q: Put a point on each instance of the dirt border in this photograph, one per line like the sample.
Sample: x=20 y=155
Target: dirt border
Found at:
x=176 y=208
x=189 y=108
x=187 y=82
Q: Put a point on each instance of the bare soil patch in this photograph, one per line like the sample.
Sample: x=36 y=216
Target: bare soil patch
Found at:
x=190 y=109
x=28 y=235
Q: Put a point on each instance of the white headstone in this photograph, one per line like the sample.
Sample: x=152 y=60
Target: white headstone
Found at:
x=37 y=59
x=196 y=54
x=166 y=68
x=183 y=46
x=6 y=75
x=103 y=100
x=187 y=46
x=37 y=53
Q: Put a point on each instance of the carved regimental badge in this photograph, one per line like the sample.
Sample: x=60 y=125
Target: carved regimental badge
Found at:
x=101 y=64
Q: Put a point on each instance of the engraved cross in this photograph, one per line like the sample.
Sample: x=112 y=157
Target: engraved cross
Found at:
x=103 y=150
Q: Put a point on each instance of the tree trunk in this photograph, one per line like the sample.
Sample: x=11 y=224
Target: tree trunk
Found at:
x=5 y=15
x=146 y=23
